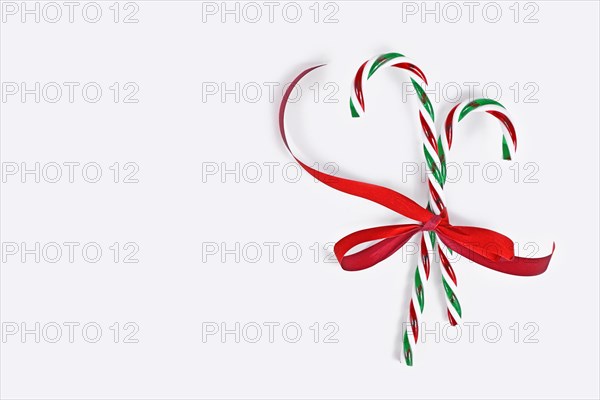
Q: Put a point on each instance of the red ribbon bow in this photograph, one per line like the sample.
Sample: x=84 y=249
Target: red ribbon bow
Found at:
x=483 y=246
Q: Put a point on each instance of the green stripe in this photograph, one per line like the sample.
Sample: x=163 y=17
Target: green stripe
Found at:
x=432 y=236
x=407 y=350
x=419 y=289
x=442 y=156
x=381 y=60
x=432 y=166
x=505 y=149
x=452 y=297
x=353 y=110
x=476 y=104
x=424 y=99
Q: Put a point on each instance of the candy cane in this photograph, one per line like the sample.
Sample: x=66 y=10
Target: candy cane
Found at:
x=492 y=107
x=509 y=147
x=434 y=174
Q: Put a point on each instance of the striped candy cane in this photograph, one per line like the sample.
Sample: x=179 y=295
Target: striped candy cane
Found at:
x=492 y=107
x=434 y=174
x=509 y=146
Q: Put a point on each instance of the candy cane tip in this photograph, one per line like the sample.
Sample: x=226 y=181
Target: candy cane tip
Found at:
x=353 y=111
x=506 y=153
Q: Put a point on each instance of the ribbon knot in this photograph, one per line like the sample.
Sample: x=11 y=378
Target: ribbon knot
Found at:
x=434 y=221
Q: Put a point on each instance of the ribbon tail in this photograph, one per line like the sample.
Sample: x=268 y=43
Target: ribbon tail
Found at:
x=392 y=238
x=520 y=266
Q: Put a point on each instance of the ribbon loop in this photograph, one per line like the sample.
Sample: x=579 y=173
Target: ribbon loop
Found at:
x=391 y=239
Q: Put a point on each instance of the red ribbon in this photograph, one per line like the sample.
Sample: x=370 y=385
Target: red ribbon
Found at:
x=483 y=246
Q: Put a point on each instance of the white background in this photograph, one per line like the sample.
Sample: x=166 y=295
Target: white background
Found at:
x=173 y=54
